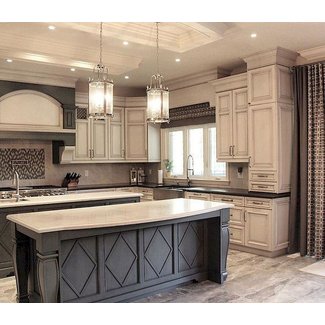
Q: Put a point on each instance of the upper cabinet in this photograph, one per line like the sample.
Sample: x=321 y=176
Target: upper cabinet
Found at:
x=269 y=84
x=126 y=137
x=270 y=125
x=232 y=119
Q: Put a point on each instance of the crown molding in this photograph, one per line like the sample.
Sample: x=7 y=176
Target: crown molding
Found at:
x=231 y=82
x=196 y=79
x=313 y=54
x=37 y=78
x=278 y=55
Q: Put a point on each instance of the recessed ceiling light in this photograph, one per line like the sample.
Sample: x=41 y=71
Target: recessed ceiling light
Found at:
x=126 y=77
x=125 y=43
x=253 y=35
x=73 y=69
x=51 y=27
x=178 y=60
x=9 y=60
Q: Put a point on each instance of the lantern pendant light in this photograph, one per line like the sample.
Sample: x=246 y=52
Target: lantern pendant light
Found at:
x=157 y=95
x=100 y=88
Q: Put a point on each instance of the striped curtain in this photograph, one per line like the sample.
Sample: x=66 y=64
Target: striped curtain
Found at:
x=316 y=161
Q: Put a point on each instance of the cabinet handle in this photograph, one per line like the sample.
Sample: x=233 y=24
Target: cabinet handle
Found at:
x=262 y=176
x=258 y=203
x=233 y=150
x=231 y=234
x=249 y=162
x=245 y=217
x=230 y=150
x=89 y=153
x=261 y=186
x=227 y=200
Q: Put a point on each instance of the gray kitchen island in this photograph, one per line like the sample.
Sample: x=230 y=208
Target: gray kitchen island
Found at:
x=118 y=253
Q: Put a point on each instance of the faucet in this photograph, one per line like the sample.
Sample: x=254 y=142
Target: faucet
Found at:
x=16 y=183
x=189 y=157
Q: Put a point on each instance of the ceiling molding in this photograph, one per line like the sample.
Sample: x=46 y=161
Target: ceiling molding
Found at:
x=196 y=79
x=278 y=55
x=62 y=54
x=176 y=37
x=37 y=78
x=313 y=54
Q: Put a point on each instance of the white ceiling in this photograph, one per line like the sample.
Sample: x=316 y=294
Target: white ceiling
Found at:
x=200 y=46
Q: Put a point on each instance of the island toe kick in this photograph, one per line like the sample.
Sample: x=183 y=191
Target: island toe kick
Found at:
x=121 y=263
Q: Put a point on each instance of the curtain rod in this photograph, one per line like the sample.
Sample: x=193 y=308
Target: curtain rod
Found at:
x=305 y=65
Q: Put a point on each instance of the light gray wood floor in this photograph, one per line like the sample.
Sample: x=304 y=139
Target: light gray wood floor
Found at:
x=251 y=278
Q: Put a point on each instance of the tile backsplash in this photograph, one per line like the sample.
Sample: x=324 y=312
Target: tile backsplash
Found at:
x=29 y=163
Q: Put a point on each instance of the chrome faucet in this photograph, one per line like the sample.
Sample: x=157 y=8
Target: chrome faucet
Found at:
x=189 y=157
x=16 y=183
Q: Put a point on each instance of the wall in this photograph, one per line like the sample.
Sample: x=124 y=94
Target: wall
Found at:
x=98 y=173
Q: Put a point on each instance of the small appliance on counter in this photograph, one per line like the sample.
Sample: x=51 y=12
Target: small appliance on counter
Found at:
x=141 y=176
x=133 y=176
x=71 y=180
x=160 y=177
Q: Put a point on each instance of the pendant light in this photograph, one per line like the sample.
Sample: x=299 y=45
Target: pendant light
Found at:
x=100 y=88
x=157 y=95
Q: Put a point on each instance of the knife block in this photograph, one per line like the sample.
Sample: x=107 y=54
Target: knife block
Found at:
x=72 y=184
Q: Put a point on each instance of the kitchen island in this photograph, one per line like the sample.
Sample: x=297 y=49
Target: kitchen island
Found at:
x=118 y=253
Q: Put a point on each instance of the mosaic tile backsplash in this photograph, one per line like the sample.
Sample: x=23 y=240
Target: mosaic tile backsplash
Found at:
x=29 y=163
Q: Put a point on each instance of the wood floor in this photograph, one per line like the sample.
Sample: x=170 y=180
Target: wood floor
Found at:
x=251 y=279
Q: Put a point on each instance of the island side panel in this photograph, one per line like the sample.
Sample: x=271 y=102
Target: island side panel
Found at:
x=218 y=238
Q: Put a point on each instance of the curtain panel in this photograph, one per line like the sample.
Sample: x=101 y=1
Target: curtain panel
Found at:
x=307 y=202
x=316 y=162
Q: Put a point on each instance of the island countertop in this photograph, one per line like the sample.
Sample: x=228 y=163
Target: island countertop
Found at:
x=68 y=198
x=112 y=216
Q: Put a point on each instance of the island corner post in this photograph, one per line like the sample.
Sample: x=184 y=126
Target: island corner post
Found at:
x=120 y=263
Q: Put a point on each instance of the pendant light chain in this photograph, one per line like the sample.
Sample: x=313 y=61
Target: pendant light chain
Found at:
x=157 y=41
x=101 y=44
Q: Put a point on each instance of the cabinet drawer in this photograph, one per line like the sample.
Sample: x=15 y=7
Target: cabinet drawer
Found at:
x=197 y=196
x=236 y=235
x=237 y=215
x=258 y=203
x=236 y=200
x=263 y=176
x=262 y=187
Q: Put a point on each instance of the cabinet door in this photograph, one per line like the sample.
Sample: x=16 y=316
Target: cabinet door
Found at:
x=262 y=136
x=82 y=140
x=136 y=133
x=258 y=228
x=224 y=125
x=99 y=139
x=262 y=85
x=240 y=123
x=116 y=135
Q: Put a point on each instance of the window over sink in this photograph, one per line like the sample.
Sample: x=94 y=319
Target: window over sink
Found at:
x=199 y=141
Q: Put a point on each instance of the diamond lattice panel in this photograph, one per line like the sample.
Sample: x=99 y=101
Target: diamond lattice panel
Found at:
x=79 y=268
x=5 y=241
x=121 y=259
x=158 y=239
x=190 y=245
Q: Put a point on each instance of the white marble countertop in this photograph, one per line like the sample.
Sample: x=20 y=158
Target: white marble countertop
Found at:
x=115 y=215
x=67 y=198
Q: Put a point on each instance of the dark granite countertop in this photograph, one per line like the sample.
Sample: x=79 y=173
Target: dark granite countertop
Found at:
x=237 y=192
x=99 y=186
x=214 y=190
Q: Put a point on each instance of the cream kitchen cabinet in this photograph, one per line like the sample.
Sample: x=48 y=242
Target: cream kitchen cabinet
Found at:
x=231 y=120
x=197 y=196
x=269 y=84
x=270 y=143
x=258 y=225
x=91 y=140
x=116 y=145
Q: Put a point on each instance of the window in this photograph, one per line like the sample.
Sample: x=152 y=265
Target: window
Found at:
x=199 y=142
